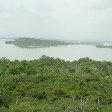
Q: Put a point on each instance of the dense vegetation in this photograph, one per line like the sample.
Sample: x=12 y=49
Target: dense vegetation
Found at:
x=33 y=43
x=55 y=85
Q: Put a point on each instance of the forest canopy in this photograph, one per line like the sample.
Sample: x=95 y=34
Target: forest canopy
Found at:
x=55 y=85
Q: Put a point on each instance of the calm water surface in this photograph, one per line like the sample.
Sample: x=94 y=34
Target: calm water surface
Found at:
x=70 y=52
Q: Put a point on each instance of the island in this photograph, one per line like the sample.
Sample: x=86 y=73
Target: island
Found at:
x=103 y=46
x=36 y=43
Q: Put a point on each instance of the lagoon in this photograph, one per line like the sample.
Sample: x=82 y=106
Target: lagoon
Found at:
x=68 y=52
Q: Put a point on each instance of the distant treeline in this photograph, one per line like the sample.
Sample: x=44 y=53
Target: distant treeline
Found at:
x=55 y=85
x=103 y=46
x=39 y=43
x=32 y=42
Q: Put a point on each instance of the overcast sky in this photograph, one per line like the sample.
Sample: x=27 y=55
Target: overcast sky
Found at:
x=57 y=19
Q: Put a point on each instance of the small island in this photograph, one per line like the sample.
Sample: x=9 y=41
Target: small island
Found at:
x=36 y=43
x=103 y=46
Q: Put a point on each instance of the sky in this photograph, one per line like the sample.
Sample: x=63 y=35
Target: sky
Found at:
x=57 y=19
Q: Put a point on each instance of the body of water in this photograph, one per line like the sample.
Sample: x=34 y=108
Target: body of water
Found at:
x=69 y=53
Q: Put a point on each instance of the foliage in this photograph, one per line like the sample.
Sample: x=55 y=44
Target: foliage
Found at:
x=55 y=85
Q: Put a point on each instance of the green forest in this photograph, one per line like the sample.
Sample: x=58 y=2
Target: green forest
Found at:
x=55 y=85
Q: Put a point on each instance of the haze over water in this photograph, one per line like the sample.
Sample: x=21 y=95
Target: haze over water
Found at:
x=69 y=52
